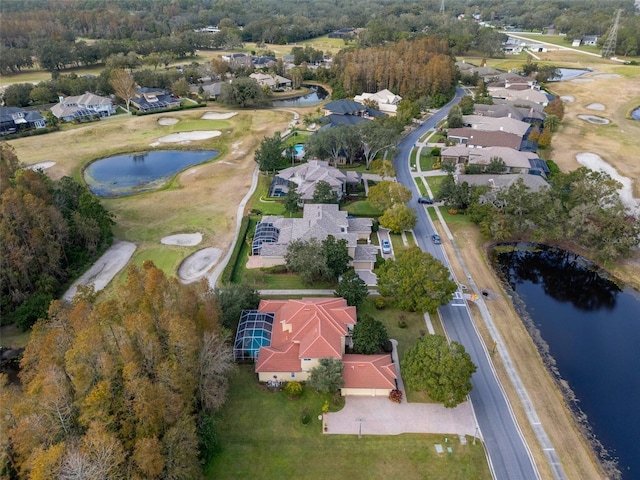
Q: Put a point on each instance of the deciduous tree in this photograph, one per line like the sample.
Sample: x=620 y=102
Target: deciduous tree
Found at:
x=337 y=256
x=398 y=218
x=416 y=281
x=441 y=369
x=233 y=299
x=324 y=193
x=268 y=155
x=352 y=288
x=386 y=194
x=124 y=85
x=327 y=376
x=369 y=335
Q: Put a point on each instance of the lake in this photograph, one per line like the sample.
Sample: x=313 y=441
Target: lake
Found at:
x=317 y=95
x=636 y=114
x=591 y=327
x=569 y=73
x=125 y=175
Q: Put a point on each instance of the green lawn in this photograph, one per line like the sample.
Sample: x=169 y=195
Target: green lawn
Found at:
x=435 y=183
x=396 y=241
x=410 y=238
x=427 y=161
x=261 y=201
x=262 y=436
x=12 y=336
x=361 y=208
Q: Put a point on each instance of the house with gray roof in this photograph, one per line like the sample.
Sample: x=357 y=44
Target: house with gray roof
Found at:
x=14 y=119
x=274 y=233
x=85 y=106
x=515 y=161
x=307 y=175
x=473 y=138
x=496 y=124
x=516 y=94
x=511 y=110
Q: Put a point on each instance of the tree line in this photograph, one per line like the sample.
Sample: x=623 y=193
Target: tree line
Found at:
x=125 y=387
x=51 y=231
x=582 y=207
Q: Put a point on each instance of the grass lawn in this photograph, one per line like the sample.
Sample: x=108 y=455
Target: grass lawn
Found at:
x=396 y=241
x=361 y=208
x=261 y=201
x=410 y=238
x=427 y=160
x=262 y=436
x=435 y=183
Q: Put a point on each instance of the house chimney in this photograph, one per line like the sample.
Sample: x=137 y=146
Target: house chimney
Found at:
x=61 y=99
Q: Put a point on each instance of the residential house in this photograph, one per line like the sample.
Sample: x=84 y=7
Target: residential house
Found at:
x=510 y=109
x=272 y=81
x=591 y=40
x=343 y=33
x=13 y=119
x=482 y=138
x=496 y=124
x=213 y=90
x=503 y=182
x=85 y=106
x=299 y=333
x=149 y=99
x=516 y=94
x=387 y=101
x=274 y=233
x=513 y=46
x=307 y=175
x=515 y=161
x=264 y=61
x=347 y=112
x=238 y=60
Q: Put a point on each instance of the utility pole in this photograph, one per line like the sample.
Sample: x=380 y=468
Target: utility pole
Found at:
x=609 y=47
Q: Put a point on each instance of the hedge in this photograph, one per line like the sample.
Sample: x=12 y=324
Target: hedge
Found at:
x=227 y=273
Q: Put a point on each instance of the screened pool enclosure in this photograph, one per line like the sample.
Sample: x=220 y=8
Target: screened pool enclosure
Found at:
x=254 y=331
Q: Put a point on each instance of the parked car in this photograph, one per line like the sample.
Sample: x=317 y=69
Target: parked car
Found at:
x=425 y=200
x=386 y=246
x=435 y=238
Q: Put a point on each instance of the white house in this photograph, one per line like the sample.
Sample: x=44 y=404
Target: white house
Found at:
x=387 y=101
x=83 y=106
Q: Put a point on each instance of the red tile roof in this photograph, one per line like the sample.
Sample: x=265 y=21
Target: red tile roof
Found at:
x=307 y=328
x=369 y=371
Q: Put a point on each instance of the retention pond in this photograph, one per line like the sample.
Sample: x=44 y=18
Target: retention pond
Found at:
x=587 y=329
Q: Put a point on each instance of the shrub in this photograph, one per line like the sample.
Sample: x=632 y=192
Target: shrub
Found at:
x=402 y=324
x=306 y=417
x=395 y=396
x=293 y=390
x=452 y=211
x=227 y=273
x=379 y=303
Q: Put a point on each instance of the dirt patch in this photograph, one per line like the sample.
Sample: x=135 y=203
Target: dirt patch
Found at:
x=167 y=121
x=196 y=266
x=107 y=266
x=183 y=240
x=218 y=116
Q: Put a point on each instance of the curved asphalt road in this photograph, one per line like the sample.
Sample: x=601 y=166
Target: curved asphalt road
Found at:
x=509 y=456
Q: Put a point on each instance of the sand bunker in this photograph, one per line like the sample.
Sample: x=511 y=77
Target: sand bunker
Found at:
x=594 y=119
x=218 y=116
x=184 y=239
x=596 y=106
x=607 y=75
x=41 y=165
x=582 y=80
x=568 y=98
x=595 y=162
x=195 y=266
x=105 y=268
x=165 y=121
x=184 y=137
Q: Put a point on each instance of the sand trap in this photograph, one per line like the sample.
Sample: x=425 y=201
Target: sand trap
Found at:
x=105 y=268
x=218 y=116
x=582 y=80
x=184 y=137
x=195 y=266
x=183 y=239
x=594 y=119
x=596 y=106
x=165 y=121
x=41 y=165
x=607 y=75
x=595 y=162
x=568 y=98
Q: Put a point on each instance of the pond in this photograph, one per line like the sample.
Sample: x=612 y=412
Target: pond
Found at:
x=317 y=95
x=636 y=114
x=125 y=175
x=587 y=329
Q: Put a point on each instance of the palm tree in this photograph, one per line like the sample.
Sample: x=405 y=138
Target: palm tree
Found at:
x=551 y=122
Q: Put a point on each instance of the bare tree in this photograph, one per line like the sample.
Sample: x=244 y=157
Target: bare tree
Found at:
x=216 y=362
x=124 y=86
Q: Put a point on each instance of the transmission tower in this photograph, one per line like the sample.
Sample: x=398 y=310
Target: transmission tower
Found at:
x=609 y=47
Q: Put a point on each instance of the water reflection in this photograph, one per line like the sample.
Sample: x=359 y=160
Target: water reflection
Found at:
x=564 y=276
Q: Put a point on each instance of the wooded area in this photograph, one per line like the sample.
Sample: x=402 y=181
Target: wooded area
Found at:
x=51 y=232
x=123 y=388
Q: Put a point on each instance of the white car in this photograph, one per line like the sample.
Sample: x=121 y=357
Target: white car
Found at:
x=386 y=246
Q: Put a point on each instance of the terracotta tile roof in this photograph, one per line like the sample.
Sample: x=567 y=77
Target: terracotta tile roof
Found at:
x=369 y=371
x=315 y=326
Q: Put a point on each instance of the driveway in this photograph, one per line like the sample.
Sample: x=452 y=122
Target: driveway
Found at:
x=381 y=416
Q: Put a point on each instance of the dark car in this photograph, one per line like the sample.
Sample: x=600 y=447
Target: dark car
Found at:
x=435 y=238
x=425 y=200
